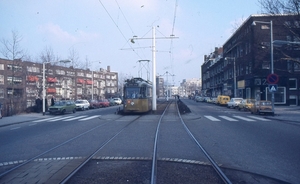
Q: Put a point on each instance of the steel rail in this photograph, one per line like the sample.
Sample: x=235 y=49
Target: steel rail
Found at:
x=214 y=164
x=95 y=152
x=51 y=149
x=154 y=159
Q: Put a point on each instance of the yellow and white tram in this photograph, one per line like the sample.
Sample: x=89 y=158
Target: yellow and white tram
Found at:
x=137 y=96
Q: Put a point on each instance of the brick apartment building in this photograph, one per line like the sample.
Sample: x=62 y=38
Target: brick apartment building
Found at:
x=242 y=66
x=21 y=84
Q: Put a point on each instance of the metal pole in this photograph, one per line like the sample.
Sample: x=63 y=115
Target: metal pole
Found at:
x=167 y=87
x=44 y=93
x=234 y=77
x=153 y=71
x=92 y=85
x=272 y=64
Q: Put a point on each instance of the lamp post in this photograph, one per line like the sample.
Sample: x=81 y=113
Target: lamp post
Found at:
x=93 y=83
x=234 y=75
x=44 y=91
x=272 y=62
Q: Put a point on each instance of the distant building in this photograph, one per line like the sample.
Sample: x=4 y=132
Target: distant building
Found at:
x=243 y=67
x=21 y=84
x=189 y=87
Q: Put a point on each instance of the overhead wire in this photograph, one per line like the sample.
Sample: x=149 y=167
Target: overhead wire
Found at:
x=171 y=44
x=127 y=40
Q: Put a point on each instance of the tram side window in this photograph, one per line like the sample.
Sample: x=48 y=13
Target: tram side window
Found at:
x=143 y=92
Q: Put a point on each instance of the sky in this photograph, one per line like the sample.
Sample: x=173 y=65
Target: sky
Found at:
x=100 y=32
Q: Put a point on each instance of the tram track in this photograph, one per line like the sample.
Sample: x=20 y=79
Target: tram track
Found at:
x=155 y=166
x=154 y=163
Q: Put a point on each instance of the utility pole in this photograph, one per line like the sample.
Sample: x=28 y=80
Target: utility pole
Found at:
x=153 y=63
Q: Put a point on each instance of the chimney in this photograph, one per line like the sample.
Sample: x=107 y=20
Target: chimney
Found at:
x=108 y=68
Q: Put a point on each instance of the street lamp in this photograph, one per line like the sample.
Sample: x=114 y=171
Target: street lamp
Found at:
x=44 y=92
x=272 y=62
x=234 y=74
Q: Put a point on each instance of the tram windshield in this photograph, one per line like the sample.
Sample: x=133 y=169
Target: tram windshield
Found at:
x=132 y=92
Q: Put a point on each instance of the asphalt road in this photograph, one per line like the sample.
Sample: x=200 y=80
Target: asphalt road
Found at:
x=267 y=147
x=234 y=140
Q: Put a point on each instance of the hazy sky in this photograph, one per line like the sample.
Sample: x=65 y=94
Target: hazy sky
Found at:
x=100 y=30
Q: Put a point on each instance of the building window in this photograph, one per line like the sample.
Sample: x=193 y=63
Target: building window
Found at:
x=33 y=69
x=14 y=92
x=293 y=84
x=1 y=93
x=296 y=67
x=1 y=66
x=14 y=80
x=280 y=95
x=266 y=65
x=1 y=79
x=14 y=67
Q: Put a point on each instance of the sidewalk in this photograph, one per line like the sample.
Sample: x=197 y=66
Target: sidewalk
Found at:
x=282 y=113
x=21 y=118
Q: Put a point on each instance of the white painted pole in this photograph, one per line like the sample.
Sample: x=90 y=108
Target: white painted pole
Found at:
x=44 y=92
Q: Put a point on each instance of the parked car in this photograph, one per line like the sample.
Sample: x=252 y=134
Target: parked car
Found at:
x=94 y=104
x=118 y=101
x=245 y=104
x=111 y=102
x=104 y=103
x=234 y=102
x=262 y=106
x=61 y=107
x=222 y=100
x=82 y=105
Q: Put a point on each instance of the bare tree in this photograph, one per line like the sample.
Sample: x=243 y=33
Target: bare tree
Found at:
x=47 y=55
x=74 y=57
x=285 y=7
x=276 y=7
x=11 y=48
x=12 y=51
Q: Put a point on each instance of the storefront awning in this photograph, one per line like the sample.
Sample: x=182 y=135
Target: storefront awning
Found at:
x=80 y=81
x=51 y=90
x=89 y=82
x=32 y=78
x=51 y=79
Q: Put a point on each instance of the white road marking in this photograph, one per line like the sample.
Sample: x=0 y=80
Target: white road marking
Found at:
x=212 y=118
x=243 y=118
x=84 y=119
x=228 y=118
x=78 y=117
x=41 y=120
x=15 y=128
x=61 y=118
x=258 y=118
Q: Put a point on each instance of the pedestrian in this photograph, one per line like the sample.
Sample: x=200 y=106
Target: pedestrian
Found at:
x=52 y=101
x=38 y=103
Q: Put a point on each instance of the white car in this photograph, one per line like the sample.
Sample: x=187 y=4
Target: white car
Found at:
x=234 y=102
x=82 y=105
x=118 y=101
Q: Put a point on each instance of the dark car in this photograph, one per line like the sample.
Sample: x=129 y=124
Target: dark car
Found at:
x=104 y=103
x=61 y=107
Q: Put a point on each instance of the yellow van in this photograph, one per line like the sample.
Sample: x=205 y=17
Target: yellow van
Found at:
x=222 y=99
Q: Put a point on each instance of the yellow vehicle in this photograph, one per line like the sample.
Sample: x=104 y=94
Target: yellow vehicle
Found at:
x=262 y=106
x=246 y=104
x=222 y=99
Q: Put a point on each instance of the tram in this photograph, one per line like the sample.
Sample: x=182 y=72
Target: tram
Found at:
x=137 y=96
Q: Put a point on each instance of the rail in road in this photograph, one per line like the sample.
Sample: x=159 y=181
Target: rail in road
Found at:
x=138 y=148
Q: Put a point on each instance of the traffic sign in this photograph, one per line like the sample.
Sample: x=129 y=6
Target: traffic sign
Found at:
x=273 y=78
x=272 y=87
